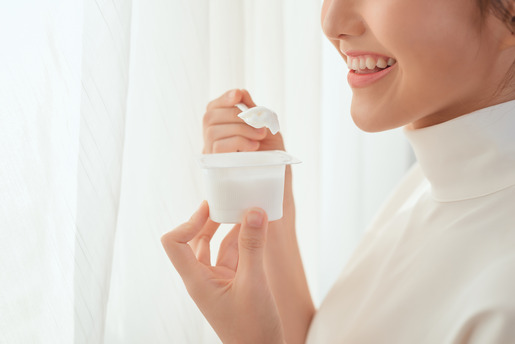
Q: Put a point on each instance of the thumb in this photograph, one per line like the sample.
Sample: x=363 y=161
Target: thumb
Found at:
x=251 y=240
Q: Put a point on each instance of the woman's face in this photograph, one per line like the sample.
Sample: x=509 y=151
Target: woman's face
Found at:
x=445 y=62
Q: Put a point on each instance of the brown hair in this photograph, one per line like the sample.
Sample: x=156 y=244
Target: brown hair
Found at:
x=499 y=8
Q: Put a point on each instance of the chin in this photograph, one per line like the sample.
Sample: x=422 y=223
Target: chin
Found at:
x=372 y=117
x=371 y=122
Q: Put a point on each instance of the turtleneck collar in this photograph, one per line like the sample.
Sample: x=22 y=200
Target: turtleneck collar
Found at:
x=470 y=156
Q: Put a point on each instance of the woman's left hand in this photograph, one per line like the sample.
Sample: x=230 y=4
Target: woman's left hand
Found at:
x=233 y=295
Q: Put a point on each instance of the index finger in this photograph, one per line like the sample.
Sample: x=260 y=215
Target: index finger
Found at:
x=226 y=100
x=176 y=245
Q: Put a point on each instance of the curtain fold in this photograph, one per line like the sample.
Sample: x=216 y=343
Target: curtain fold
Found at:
x=105 y=79
x=169 y=83
x=101 y=106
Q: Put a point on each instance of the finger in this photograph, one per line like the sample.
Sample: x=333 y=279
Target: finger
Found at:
x=247 y=99
x=232 y=144
x=221 y=116
x=228 y=253
x=251 y=243
x=203 y=241
x=206 y=233
x=228 y=99
x=176 y=245
x=222 y=131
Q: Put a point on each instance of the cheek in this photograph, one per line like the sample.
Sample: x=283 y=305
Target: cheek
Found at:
x=433 y=42
x=410 y=28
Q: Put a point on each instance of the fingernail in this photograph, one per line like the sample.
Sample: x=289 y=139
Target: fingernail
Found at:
x=255 y=218
x=231 y=94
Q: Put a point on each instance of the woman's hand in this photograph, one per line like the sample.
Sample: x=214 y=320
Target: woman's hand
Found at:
x=225 y=132
x=233 y=295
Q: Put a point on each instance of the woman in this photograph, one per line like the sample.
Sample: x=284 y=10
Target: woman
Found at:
x=438 y=263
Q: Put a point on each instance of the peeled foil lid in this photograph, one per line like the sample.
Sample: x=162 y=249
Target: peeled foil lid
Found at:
x=246 y=159
x=259 y=117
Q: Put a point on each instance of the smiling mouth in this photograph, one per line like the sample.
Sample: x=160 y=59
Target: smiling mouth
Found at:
x=368 y=64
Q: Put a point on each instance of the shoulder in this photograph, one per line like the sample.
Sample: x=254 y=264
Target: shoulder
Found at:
x=496 y=282
x=489 y=301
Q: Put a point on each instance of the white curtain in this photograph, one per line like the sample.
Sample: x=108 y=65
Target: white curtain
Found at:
x=100 y=121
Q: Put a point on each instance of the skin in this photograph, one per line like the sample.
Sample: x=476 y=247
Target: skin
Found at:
x=285 y=280
x=446 y=67
x=448 y=64
x=234 y=294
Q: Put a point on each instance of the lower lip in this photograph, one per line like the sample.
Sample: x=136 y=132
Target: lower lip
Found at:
x=363 y=80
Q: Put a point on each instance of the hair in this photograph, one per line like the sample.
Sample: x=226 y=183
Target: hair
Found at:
x=499 y=8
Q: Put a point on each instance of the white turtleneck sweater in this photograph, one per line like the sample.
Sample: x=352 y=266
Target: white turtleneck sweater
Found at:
x=437 y=265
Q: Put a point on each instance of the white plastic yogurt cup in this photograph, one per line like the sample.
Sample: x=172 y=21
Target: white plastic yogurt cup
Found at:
x=235 y=182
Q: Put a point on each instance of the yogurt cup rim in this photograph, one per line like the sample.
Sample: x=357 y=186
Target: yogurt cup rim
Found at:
x=244 y=159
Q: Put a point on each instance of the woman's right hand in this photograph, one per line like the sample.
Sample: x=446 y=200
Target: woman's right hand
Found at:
x=225 y=132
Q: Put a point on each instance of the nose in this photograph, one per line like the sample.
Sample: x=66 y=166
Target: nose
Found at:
x=340 y=19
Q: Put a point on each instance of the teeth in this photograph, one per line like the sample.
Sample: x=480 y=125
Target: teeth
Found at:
x=362 y=63
x=369 y=62
x=355 y=64
x=381 y=63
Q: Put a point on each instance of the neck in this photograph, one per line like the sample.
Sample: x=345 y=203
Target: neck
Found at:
x=470 y=156
x=504 y=95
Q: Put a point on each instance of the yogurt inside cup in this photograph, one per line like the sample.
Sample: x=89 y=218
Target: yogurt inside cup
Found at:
x=237 y=181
